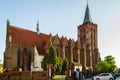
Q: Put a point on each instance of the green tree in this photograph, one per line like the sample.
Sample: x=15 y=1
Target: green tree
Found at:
x=111 y=61
x=50 y=57
x=108 y=65
x=103 y=66
x=118 y=70
x=64 y=65
x=58 y=66
x=45 y=60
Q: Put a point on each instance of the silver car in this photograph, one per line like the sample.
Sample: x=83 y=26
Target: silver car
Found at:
x=103 y=76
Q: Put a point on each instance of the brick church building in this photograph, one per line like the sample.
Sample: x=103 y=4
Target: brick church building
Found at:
x=26 y=49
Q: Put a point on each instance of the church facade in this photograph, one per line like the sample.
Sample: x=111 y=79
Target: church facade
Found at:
x=26 y=49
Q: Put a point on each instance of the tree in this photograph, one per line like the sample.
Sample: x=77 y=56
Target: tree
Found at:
x=45 y=60
x=64 y=65
x=58 y=66
x=118 y=70
x=103 y=66
x=50 y=57
x=108 y=65
x=111 y=61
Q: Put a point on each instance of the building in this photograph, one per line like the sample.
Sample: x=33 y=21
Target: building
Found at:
x=88 y=39
x=26 y=49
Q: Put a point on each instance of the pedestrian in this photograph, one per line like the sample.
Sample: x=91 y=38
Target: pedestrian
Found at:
x=77 y=74
x=80 y=76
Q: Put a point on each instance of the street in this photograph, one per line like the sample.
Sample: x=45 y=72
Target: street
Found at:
x=118 y=78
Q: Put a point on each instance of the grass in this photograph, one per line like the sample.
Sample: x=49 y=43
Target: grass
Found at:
x=59 y=76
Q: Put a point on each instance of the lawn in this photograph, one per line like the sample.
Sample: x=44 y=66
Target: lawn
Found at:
x=59 y=76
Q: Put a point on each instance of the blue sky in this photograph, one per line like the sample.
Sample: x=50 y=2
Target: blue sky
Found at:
x=62 y=17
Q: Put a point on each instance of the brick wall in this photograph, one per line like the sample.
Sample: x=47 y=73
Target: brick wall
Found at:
x=25 y=75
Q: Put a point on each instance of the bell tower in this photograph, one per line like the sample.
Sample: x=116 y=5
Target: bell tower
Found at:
x=88 y=40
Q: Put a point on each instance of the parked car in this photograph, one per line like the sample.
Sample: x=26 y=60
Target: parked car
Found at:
x=114 y=76
x=117 y=74
x=103 y=76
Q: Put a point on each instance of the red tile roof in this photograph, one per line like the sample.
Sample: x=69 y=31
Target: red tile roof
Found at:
x=25 y=37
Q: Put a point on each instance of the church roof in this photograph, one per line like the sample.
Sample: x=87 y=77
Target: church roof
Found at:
x=27 y=37
x=23 y=36
x=41 y=41
x=87 y=17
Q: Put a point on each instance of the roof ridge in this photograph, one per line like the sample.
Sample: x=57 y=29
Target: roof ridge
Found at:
x=21 y=28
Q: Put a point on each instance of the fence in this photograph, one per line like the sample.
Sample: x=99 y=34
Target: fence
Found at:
x=25 y=75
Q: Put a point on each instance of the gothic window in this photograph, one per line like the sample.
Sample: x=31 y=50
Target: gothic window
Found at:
x=84 y=37
x=91 y=35
x=18 y=57
x=66 y=53
x=75 y=56
x=81 y=39
x=88 y=57
x=87 y=46
x=29 y=59
x=81 y=56
x=25 y=59
x=94 y=40
x=57 y=52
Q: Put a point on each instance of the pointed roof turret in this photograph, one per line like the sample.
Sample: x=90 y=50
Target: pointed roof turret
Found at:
x=87 y=17
x=37 y=29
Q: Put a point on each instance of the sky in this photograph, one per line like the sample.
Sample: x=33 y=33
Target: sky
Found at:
x=62 y=17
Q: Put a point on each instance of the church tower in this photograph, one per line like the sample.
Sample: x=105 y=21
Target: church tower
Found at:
x=88 y=40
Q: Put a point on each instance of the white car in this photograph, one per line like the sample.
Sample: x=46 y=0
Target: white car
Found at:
x=103 y=76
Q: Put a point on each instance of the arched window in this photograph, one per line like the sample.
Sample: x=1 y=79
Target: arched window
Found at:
x=57 y=52
x=88 y=58
x=81 y=56
x=67 y=53
x=18 y=57
x=75 y=55
x=29 y=59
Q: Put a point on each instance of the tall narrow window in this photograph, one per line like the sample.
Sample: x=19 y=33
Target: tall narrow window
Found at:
x=29 y=59
x=18 y=57
x=81 y=56
x=57 y=52
x=88 y=58
x=67 y=53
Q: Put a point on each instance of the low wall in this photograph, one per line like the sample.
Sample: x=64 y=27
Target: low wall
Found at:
x=25 y=75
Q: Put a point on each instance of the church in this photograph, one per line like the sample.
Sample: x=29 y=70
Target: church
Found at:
x=26 y=48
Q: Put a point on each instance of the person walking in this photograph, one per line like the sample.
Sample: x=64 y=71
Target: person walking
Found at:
x=77 y=74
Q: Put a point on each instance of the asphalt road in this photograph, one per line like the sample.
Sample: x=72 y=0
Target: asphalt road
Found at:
x=118 y=78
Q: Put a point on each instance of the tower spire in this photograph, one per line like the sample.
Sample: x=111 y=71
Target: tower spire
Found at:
x=87 y=1
x=87 y=17
x=37 y=29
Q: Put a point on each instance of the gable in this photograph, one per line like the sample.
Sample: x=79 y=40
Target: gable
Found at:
x=66 y=42
x=56 y=41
